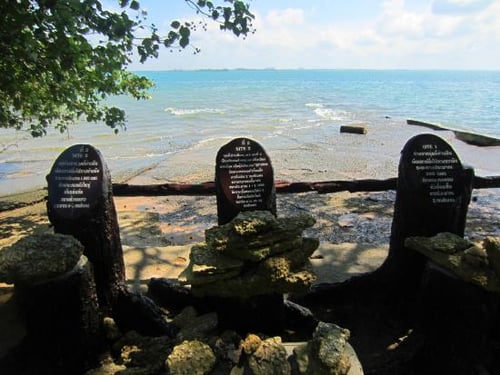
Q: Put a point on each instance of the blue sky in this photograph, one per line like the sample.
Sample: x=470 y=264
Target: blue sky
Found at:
x=342 y=34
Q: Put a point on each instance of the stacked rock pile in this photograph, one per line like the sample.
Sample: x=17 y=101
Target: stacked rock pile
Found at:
x=254 y=254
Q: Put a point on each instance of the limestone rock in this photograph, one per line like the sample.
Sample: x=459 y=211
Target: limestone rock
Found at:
x=193 y=326
x=325 y=353
x=270 y=358
x=39 y=258
x=254 y=254
x=475 y=256
x=142 y=354
x=191 y=358
x=492 y=247
x=255 y=235
x=274 y=275
x=206 y=265
x=445 y=242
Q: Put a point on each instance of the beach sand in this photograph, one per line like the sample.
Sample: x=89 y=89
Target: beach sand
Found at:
x=353 y=228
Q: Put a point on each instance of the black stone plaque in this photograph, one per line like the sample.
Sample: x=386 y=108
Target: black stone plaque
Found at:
x=76 y=182
x=432 y=169
x=244 y=179
x=433 y=194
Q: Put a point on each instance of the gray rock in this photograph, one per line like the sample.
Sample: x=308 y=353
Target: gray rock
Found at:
x=38 y=258
x=190 y=358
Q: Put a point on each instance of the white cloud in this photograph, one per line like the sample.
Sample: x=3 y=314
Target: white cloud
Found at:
x=400 y=36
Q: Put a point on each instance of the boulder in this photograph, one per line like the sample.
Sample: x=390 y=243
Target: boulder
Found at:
x=39 y=258
x=190 y=358
x=327 y=353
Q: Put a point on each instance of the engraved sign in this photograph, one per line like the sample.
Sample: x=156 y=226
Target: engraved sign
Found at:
x=244 y=179
x=75 y=181
x=433 y=167
x=433 y=194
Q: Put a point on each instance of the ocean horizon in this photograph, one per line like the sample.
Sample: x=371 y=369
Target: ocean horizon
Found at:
x=193 y=112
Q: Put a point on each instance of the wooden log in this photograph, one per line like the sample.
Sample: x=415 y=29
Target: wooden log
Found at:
x=283 y=187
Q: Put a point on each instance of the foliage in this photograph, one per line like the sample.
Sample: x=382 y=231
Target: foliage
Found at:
x=62 y=58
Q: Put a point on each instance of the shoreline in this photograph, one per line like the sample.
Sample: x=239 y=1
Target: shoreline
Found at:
x=332 y=156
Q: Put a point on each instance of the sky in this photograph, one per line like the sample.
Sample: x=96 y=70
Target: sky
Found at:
x=340 y=34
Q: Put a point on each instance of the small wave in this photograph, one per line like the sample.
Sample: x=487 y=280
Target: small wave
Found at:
x=332 y=114
x=194 y=111
x=315 y=105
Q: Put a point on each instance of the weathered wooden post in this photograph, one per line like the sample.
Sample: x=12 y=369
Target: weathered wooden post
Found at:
x=244 y=181
x=80 y=203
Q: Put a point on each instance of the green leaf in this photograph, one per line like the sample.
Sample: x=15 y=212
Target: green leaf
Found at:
x=175 y=24
x=135 y=5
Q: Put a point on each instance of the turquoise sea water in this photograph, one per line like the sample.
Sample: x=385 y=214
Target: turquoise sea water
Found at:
x=279 y=108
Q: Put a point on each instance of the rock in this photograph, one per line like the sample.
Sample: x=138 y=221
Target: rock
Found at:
x=142 y=354
x=227 y=348
x=445 y=242
x=193 y=326
x=475 y=256
x=255 y=235
x=207 y=265
x=354 y=129
x=277 y=274
x=269 y=358
x=492 y=247
x=254 y=254
x=325 y=353
x=39 y=258
x=190 y=358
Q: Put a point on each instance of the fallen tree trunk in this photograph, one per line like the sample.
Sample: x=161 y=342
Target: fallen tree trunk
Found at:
x=282 y=187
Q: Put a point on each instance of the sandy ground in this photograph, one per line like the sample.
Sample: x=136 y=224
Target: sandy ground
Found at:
x=158 y=232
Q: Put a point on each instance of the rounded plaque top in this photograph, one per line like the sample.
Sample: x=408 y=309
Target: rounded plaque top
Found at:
x=75 y=182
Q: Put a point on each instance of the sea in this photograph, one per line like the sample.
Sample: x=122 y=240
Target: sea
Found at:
x=287 y=111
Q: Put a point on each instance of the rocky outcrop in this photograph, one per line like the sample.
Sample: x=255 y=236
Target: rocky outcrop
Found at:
x=254 y=254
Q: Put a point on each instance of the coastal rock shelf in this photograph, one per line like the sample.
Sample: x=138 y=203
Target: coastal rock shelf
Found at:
x=254 y=254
